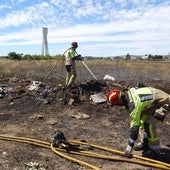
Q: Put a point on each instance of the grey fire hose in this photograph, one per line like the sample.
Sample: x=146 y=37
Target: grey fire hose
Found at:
x=89 y=70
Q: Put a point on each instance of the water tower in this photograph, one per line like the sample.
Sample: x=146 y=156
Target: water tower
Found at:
x=44 y=50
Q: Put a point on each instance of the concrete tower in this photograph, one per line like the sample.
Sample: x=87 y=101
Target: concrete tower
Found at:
x=44 y=50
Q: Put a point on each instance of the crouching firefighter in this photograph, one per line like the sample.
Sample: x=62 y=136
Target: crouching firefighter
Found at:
x=146 y=106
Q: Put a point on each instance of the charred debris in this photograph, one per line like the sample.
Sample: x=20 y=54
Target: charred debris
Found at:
x=93 y=91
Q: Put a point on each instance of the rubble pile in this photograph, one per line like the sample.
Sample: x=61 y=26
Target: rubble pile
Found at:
x=46 y=93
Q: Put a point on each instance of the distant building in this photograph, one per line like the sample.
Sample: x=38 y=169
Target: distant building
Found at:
x=145 y=57
x=166 y=56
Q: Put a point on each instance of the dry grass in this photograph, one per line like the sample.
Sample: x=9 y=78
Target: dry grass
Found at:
x=120 y=69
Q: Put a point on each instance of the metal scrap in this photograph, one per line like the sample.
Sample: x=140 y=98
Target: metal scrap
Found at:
x=98 y=98
x=46 y=93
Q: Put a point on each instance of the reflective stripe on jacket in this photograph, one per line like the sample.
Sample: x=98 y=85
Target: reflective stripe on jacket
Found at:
x=69 y=55
x=140 y=99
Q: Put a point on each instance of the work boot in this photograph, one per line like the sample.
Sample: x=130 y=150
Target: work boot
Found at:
x=142 y=146
x=158 y=154
x=153 y=154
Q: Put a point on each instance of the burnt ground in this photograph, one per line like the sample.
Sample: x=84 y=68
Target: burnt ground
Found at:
x=39 y=113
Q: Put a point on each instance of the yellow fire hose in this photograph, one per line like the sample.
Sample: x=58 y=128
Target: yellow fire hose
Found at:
x=46 y=145
x=84 y=153
x=150 y=162
x=73 y=159
x=120 y=152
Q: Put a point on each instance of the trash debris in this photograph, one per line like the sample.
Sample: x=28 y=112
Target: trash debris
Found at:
x=79 y=115
x=48 y=93
x=2 y=92
x=34 y=85
x=98 y=98
x=107 y=77
x=40 y=117
x=4 y=153
x=71 y=101
x=34 y=166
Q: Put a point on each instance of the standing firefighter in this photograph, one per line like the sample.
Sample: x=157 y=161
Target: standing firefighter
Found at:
x=70 y=57
x=147 y=106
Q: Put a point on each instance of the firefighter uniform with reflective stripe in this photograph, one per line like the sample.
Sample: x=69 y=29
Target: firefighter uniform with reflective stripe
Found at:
x=143 y=104
x=70 y=66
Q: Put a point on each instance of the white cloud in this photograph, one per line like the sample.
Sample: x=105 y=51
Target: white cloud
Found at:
x=21 y=1
x=101 y=22
x=33 y=15
x=74 y=2
x=89 y=9
x=4 y=6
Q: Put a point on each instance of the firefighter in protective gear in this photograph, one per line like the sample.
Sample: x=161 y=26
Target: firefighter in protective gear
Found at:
x=70 y=57
x=146 y=106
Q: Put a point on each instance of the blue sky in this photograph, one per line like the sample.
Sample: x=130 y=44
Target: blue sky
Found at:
x=101 y=27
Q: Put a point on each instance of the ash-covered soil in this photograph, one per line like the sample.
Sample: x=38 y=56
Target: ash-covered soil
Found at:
x=37 y=114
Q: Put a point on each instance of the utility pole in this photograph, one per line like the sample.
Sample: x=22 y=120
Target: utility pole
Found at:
x=44 y=50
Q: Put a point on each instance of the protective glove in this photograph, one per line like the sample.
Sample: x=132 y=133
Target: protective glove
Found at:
x=81 y=58
x=161 y=113
x=166 y=107
x=128 y=151
x=78 y=57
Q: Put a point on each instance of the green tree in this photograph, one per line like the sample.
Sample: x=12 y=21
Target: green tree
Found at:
x=150 y=57
x=128 y=57
x=26 y=57
x=14 y=56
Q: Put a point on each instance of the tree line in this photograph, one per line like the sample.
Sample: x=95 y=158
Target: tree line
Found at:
x=149 y=57
x=20 y=56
